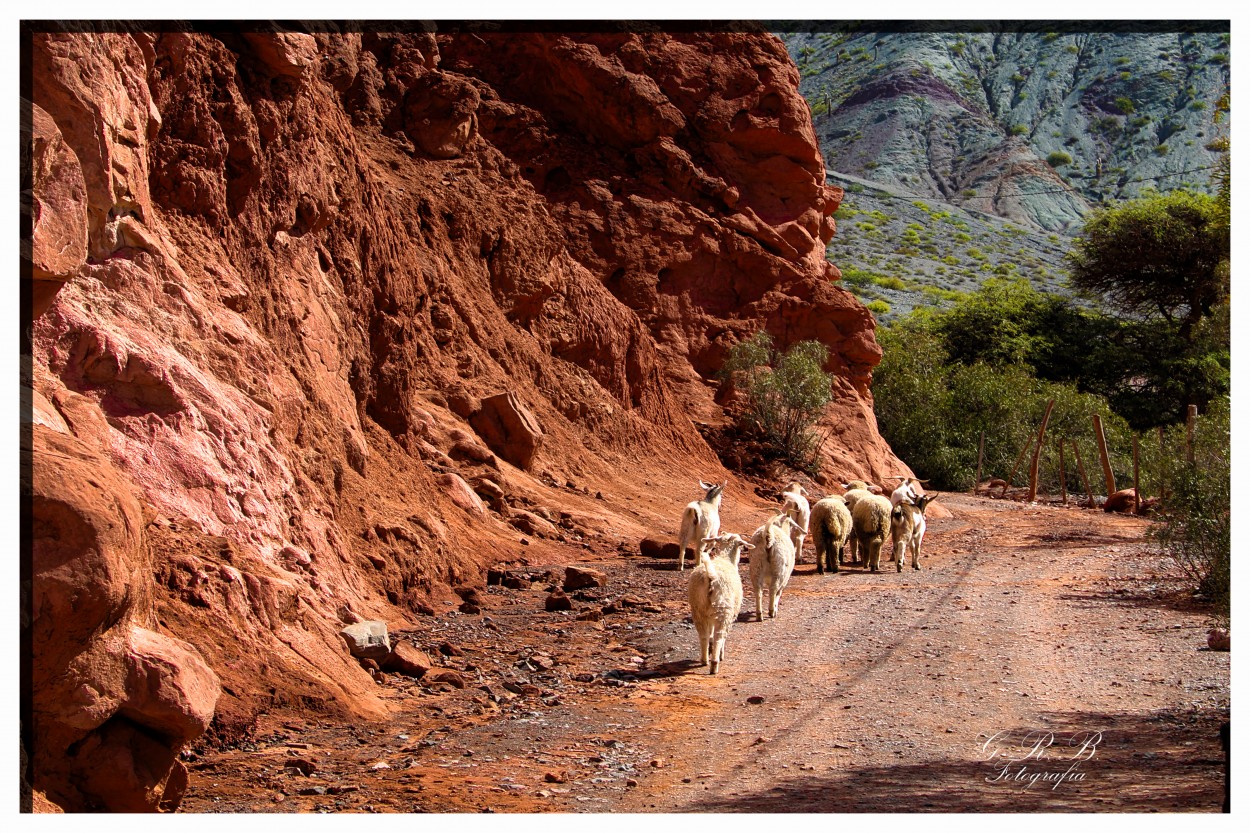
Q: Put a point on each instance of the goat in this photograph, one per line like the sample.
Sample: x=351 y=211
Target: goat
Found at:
x=830 y=526
x=701 y=518
x=870 y=520
x=715 y=593
x=772 y=563
x=797 y=508
x=906 y=490
x=907 y=525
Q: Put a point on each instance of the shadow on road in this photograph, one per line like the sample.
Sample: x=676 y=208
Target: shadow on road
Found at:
x=1164 y=761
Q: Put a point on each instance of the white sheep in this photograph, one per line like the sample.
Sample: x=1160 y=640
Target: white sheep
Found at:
x=830 y=526
x=795 y=505
x=907 y=491
x=701 y=518
x=907 y=525
x=870 y=522
x=855 y=490
x=772 y=562
x=715 y=593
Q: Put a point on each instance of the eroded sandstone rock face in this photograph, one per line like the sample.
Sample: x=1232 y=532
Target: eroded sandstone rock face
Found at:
x=112 y=701
x=277 y=274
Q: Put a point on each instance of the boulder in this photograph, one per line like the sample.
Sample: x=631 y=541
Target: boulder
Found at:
x=407 y=659
x=288 y=54
x=367 y=640
x=530 y=523
x=487 y=489
x=509 y=429
x=577 y=578
x=460 y=493
x=557 y=601
x=651 y=548
x=58 y=241
x=1121 y=501
x=444 y=675
x=440 y=114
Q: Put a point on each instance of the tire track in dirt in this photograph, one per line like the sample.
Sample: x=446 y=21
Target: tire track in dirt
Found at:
x=880 y=678
x=876 y=693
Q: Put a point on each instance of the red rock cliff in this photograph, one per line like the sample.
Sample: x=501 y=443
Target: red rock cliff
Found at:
x=280 y=283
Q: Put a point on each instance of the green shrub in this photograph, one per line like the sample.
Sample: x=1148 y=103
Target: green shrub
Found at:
x=1018 y=129
x=856 y=276
x=1058 y=159
x=785 y=393
x=932 y=410
x=1194 y=525
x=1197 y=106
x=1161 y=150
x=1126 y=106
x=878 y=307
x=896 y=284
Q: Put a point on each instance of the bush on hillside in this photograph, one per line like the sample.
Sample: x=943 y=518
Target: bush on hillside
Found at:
x=1195 y=521
x=785 y=393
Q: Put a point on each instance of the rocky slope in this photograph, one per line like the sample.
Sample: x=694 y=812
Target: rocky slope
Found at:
x=1013 y=132
x=324 y=324
x=972 y=117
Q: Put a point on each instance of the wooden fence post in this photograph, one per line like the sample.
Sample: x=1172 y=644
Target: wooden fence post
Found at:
x=1081 y=468
x=1102 y=452
x=1063 y=474
x=980 y=457
x=1037 y=452
x=1136 y=484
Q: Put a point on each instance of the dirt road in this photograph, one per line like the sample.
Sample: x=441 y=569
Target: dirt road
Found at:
x=1044 y=659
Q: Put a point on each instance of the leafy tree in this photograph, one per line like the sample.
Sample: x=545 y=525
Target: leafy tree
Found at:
x=785 y=394
x=1159 y=256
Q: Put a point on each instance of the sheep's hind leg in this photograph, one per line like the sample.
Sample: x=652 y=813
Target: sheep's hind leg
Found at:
x=718 y=652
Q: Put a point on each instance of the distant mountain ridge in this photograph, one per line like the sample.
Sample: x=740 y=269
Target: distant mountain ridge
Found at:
x=976 y=150
x=1036 y=125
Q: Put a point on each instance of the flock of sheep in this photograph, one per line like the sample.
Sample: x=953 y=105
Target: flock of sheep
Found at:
x=859 y=516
